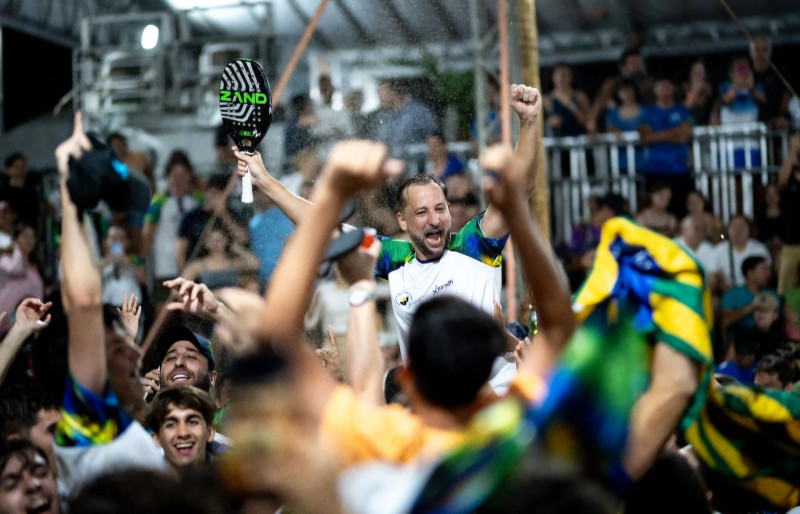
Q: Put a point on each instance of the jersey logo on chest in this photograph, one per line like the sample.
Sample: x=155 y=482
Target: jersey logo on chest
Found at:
x=438 y=289
x=403 y=299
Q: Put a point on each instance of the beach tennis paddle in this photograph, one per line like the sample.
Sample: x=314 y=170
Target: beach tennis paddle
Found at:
x=245 y=103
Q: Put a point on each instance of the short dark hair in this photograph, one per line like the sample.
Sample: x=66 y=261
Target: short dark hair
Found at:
x=391 y=386
x=20 y=404
x=773 y=363
x=628 y=52
x=221 y=137
x=672 y=485
x=14 y=157
x=416 y=180
x=135 y=491
x=178 y=157
x=218 y=181
x=615 y=202
x=451 y=348
x=116 y=135
x=21 y=448
x=184 y=397
x=751 y=263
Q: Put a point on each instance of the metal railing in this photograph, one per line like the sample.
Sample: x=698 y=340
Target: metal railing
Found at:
x=727 y=162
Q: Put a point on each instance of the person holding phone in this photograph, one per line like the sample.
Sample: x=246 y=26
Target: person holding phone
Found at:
x=122 y=273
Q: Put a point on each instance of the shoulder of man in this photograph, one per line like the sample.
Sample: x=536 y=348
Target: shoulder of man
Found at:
x=394 y=254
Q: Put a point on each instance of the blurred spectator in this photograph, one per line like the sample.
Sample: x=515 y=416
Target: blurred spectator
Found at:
x=353 y=103
x=122 y=273
x=768 y=218
x=693 y=236
x=739 y=303
x=333 y=124
x=19 y=273
x=402 y=120
x=463 y=200
x=740 y=99
x=789 y=185
x=307 y=168
x=655 y=216
x=774 y=372
x=28 y=411
x=586 y=236
x=163 y=219
x=298 y=133
x=626 y=117
x=666 y=130
x=698 y=95
x=441 y=163
x=566 y=109
x=731 y=253
x=269 y=230
x=194 y=222
x=774 y=109
x=494 y=127
x=743 y=365
x=225 y=264
x=768 y=329
x=631 y=67
x=135 y=161
x=8 y=217
x=697 y=205
x=21 y=189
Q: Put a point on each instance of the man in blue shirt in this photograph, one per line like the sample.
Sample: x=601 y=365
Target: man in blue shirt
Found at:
x=743 y=365
x=738 y=304
x=665 y=130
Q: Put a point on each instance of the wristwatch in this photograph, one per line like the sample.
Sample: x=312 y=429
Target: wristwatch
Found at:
x=359 y=296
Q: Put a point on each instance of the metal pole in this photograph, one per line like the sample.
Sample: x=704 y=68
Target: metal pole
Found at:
x=481 y=105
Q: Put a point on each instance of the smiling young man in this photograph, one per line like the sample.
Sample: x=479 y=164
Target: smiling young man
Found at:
x=27 y=484
x=181 y=419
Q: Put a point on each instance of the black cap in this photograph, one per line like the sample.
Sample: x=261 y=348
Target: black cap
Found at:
x=99 y=175
x=175 y=333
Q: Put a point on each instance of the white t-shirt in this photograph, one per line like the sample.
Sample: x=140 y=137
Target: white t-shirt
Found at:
x=469 y=269
x=705 y=254
x=166 y=213
x=722 y=259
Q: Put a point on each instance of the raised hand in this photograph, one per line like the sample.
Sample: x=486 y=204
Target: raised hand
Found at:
x=354 y=166
x=506 y=179
x=72 y=147
x=195 y=298
x=130 y=313
x=331 y=357
x=253 y=163
x=238 y=328
x=29 y=314
x=526 y=102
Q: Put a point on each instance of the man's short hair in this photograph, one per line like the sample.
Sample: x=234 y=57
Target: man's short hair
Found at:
x=116 y=135
x=776 y=364
x=751 y=263
x=14 y=157
x=451 y=348
x=25 y=450
x=416 y=180
x=184 y=397
x=20 y=404
x=672 y=485
x=613 y=201
x=218 y=182
x=628 y=52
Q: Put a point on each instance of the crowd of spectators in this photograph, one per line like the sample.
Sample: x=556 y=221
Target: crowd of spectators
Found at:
x=271 y=382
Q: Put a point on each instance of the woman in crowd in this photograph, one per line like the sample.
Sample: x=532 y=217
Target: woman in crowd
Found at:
x=225 y=264
x=19 y=275
x=655 y=216
x=626 y=117
x=698 y=94
x=567 y=109
x=697 y=205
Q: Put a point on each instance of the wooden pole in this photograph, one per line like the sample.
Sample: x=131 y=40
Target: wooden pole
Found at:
x=529 y=57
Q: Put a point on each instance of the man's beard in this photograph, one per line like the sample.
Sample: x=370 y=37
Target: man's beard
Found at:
x=419 y=243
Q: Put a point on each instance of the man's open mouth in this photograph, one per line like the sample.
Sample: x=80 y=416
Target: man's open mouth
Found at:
x=40 y=506
x=184 y=448
x=180 y=377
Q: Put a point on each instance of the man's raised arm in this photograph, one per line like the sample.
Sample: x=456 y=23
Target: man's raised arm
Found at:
x=293 y=206
x=557 y=322
x=527 y=103
x=82 y=287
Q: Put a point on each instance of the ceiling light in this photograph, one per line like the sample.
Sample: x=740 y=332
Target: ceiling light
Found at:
x=149 y=37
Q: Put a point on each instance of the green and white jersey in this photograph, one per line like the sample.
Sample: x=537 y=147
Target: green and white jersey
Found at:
x=469 y=269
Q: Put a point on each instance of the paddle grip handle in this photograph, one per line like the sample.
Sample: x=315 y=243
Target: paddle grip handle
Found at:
x=247 y=184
